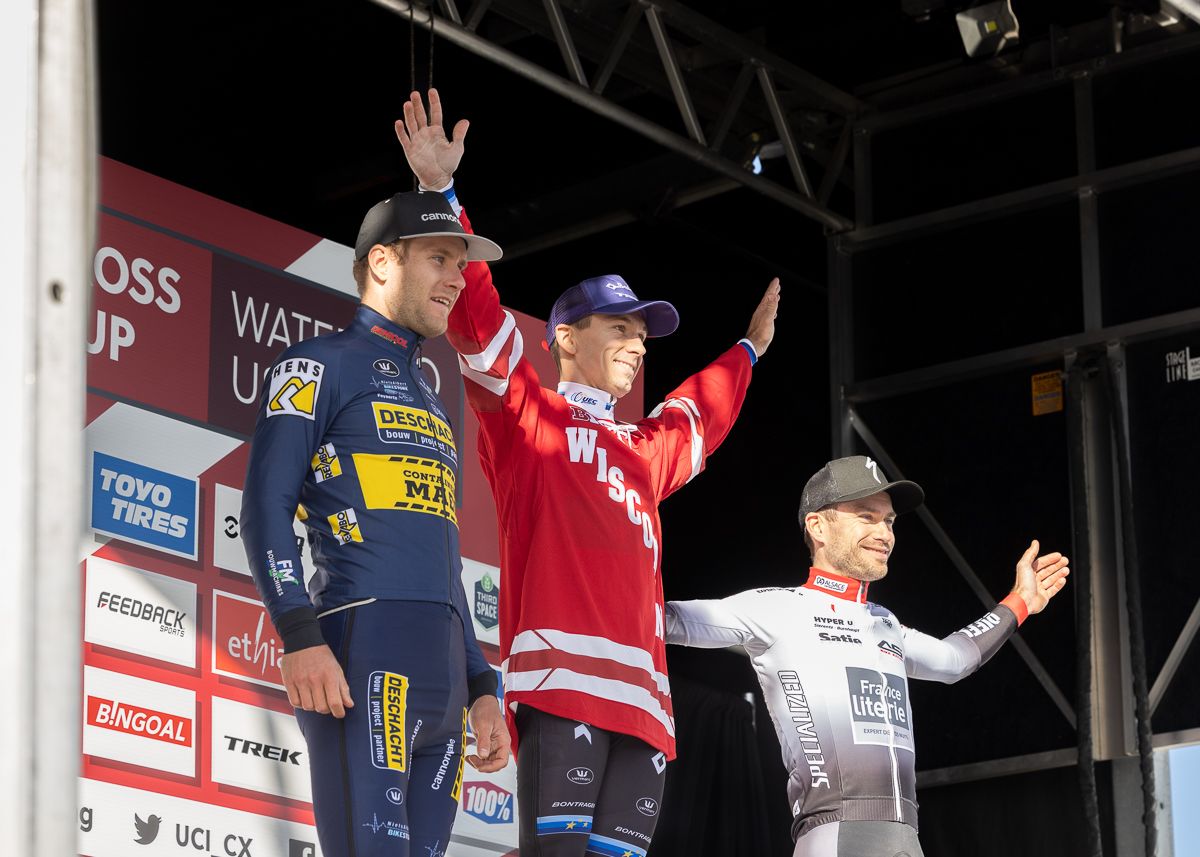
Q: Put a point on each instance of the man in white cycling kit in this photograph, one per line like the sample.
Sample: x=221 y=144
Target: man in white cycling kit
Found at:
x=833 y=666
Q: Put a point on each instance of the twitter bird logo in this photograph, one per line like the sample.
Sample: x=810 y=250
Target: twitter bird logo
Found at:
x=146 y=830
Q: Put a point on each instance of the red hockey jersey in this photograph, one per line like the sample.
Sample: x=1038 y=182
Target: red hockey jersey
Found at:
x=577 y=494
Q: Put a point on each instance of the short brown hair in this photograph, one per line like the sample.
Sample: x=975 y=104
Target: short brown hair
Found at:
x=399 y=248
x=578 y=325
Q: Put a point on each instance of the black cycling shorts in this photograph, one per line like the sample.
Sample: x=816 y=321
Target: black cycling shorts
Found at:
x=583 y=790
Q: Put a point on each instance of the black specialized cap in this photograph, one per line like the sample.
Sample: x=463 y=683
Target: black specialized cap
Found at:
x=418 y=214
x=852 y=479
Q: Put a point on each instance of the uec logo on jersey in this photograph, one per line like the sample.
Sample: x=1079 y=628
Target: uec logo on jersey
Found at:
x=386 y=367
x=580 y=776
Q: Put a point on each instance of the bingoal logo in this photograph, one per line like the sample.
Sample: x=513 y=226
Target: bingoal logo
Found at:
x=143 y=722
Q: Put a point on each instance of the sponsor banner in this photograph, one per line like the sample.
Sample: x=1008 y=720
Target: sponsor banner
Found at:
x=879 y=712
x=244 y=642
x=148 y=329
x=144 y=505
x=139 y=611
x=294 y=387
x=488 y=812
x=256 y=314
x=488 y=803
x=229 y=552
x=484 y=601
x=118 y=821
x=139 y=722
x=259 y=750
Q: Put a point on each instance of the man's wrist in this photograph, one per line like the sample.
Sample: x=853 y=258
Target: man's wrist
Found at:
x=751 y=349
x=441 y=184
x=1016 y=602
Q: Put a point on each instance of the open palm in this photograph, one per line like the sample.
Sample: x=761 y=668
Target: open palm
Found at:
x=432 y=156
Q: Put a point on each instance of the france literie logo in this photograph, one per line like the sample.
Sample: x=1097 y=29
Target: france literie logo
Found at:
x=295 y=386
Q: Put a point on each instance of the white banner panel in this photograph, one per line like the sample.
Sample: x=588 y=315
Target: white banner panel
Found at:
x=140 y=722
x=258 y=749
x=116 y=821
x=138 y=611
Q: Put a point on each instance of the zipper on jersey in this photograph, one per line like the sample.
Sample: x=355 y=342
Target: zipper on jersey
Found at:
x=414 y=359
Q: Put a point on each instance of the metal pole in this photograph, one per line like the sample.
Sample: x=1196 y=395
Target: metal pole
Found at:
x=600 y=106
x=666 y=52
x=65 y=211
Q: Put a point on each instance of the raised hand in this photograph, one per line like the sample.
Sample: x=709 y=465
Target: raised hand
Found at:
x=762 y=323
x=432 y=157
x=1040 y=578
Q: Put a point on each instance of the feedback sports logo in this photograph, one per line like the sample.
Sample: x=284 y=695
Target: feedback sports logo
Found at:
x=245 y=645
x=143 y=505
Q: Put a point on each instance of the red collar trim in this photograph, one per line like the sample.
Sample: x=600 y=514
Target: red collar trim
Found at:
x=829 y=583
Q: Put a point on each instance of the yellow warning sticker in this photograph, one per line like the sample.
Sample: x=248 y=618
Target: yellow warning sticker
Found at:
x=1047 y=393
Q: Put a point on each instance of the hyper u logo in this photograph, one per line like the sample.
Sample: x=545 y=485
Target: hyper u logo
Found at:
x=143 y=505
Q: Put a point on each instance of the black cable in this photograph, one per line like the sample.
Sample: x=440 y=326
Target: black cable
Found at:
x=1082 y=585
x=1133 y=604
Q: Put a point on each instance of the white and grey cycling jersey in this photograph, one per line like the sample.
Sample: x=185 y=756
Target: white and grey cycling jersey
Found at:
x=833 y=669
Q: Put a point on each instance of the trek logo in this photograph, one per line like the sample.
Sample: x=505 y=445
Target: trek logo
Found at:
x=295 y=386
x=145 y=506
x=386 y=367
x=830 y=585
x=581 y=776
x=800 y=715
x=134 y=720
x=387 y=701
x=262 y=751
x=647 y=806
x=325 y=464
x=981 y=626
x=583 y=449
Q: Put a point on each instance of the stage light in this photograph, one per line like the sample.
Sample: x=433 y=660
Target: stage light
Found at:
x=988 y=29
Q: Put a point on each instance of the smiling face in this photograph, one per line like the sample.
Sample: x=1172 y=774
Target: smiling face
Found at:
x=607 y=354
x=854 y=538
x=418 y=287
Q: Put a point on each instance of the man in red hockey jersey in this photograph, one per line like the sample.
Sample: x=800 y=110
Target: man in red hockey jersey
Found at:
x=577 y=494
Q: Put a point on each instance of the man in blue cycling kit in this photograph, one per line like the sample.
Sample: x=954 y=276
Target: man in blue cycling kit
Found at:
x=380 y=661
